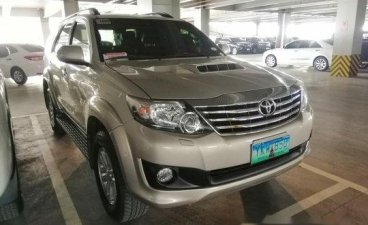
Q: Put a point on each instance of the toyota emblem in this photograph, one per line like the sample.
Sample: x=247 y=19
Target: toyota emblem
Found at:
x=267 y=107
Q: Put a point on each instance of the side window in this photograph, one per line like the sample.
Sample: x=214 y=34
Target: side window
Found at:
x=3 y=52
x=63 y=37
x=294 y=44
x=80 y=38
x=304 y=44
x=315 y=44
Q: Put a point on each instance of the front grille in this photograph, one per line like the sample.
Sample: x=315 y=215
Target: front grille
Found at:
x=243 y=118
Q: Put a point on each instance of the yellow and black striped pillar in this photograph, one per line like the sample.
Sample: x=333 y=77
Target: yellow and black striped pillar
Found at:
x=345 y=65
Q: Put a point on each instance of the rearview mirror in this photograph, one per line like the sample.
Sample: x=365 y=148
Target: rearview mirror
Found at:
x=72 y=54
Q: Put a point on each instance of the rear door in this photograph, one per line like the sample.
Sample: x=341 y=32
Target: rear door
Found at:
x=302 y=53
x=57 y=69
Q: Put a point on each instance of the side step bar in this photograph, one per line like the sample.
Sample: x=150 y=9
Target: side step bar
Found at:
x=78 y=137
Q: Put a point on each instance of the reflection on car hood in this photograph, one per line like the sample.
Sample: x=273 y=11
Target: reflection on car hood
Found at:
x=180 y=78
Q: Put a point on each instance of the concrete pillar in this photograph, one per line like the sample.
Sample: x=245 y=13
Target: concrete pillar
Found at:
x=348 y=37
x=283 y=20
x=202 y=20
x=171 y=7
x=45 y=28
x=70 y=7
x=257 y=28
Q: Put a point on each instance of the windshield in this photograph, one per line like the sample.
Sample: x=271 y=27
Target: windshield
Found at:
x=150 y=39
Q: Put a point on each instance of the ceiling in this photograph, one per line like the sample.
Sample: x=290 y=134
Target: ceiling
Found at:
x=221 y=10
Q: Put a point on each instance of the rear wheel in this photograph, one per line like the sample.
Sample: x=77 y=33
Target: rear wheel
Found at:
x=117 y=201
x=56 y=127
x=320 y=63
x=271 y=61
x=18 y=76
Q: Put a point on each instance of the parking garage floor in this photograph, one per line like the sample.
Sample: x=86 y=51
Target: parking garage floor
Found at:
x=329 y=187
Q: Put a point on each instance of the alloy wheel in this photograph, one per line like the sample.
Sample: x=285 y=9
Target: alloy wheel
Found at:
x=320 y=64
x=18 y=76
x=107 y=176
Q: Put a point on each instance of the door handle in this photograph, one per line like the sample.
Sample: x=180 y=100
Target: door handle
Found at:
x=64 y=73
x=317 y=50
x=8 y=59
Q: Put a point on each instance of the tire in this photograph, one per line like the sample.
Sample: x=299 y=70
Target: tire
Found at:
x=18 y=75
x=320 y=63
x=118 y=202
x=271 y=61
x=53 y=113
x=234 y=51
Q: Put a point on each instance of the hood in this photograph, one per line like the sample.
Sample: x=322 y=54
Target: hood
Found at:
x=181 y=79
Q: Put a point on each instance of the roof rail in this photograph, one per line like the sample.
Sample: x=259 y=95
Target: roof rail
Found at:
x=166 y=15
x=89 y=11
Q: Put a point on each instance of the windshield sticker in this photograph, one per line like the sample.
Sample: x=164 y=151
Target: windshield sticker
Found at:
x=114 y=55
x=103 y=21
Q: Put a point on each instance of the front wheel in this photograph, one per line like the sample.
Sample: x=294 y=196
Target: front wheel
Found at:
x=271 y=61
x=18 y=76
x=117 y=201
x=320 y=63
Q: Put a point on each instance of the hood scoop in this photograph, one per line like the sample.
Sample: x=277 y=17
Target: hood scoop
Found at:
x=219 y=67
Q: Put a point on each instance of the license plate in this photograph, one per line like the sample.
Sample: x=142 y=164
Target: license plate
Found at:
x=265 y=149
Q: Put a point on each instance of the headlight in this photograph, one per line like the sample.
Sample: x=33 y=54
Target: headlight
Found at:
x=166 y=115
x=304 y=95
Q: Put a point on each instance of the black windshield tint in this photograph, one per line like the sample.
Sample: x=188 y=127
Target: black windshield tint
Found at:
x=148 y=38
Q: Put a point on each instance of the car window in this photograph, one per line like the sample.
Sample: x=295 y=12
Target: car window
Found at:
x=80 y=38
x=11 y=49
x=303 y=44
x=294 y=44
x=3 y=51
x=63 y=38
x=315 y=44
x=32 y=48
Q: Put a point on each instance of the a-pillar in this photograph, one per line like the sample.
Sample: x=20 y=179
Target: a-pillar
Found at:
x=70 y=7
x=283 y=22
x=202 y=20
x=348 y=37
x=171 y=7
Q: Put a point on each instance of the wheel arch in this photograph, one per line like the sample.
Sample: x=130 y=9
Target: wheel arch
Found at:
x=101 y=116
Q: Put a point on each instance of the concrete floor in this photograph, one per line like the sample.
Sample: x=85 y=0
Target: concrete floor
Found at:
x=329 y=187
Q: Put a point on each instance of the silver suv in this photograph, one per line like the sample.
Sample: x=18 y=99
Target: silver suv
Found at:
x=164 y=117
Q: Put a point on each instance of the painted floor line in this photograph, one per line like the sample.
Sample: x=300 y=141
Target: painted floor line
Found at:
x=335 y=178
x=67 y=207
x=306 y=203
x=29 y=115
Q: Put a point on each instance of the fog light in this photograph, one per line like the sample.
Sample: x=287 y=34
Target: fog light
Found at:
x=165 y=175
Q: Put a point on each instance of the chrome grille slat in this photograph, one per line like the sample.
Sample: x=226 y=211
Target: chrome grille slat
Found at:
x=244 y=117
x=231 y=111
x=259 y=123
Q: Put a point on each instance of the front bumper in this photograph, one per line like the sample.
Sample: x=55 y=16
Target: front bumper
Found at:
x=205 y=153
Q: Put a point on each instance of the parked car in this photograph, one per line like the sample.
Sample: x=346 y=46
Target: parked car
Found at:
x=236 y=45
x=272 y=41
x=163 y=116
x=258 y=45
x=10 y=198
x=301 y=52
x=18 y=61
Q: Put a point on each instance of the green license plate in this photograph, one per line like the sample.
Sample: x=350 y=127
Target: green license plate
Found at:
x=269 y=148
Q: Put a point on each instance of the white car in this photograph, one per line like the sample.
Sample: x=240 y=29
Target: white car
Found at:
x=18 y=61
x=10 y=198
x=301 y=53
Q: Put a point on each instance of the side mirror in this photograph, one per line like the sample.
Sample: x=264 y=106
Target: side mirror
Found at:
x=72 y=54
